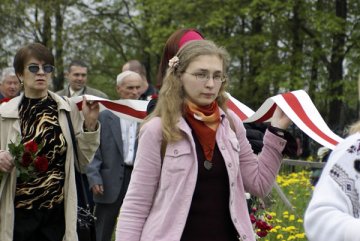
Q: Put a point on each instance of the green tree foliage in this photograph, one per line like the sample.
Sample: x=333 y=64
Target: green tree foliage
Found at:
x=275 y=45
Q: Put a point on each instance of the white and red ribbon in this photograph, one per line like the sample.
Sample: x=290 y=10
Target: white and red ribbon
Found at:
x=297 y=105
x=129 y=109
x=239 y=108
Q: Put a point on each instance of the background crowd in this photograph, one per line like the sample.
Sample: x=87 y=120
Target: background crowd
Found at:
x=142 y=171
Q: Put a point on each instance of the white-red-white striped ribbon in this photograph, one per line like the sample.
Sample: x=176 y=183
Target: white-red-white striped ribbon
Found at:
x=129 y=109
x=297 y=105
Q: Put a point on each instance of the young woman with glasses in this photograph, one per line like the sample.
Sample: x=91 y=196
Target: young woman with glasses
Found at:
x=194 y=188
x=44 y=205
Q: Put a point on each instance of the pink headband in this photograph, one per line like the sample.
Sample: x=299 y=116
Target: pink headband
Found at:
x=189 y=36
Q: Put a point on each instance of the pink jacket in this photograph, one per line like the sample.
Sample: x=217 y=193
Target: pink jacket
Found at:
x=159 y=197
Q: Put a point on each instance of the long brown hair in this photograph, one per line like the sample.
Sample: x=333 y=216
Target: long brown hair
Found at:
x=171 y=97
x=170 y=49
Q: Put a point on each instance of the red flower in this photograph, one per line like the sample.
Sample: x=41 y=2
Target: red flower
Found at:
x=154 y=96
x=261 y=233
x=3 y=100
x=268 y=216
x=261 y=224
x=41 y=163
x=269 y=227
x=26 y=159
x=252 y=218
x=31 y=147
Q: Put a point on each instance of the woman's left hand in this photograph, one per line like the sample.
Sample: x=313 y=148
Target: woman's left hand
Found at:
x=280 y=119
x=90 y=110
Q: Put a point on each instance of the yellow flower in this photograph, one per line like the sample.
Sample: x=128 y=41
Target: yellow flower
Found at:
x=279 y=236
x=273 y=214
x=289 y=229
x=300 y=235
x=292 y=217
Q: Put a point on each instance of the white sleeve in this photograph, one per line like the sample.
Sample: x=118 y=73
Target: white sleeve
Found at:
x=333 y=212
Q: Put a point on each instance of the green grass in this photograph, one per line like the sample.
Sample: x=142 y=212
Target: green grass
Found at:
x=287 y=223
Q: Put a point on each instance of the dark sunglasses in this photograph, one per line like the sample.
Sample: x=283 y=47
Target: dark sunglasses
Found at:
x=47 y=68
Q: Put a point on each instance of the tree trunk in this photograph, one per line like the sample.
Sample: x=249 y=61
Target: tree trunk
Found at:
x=59 y=22
x=297 y=45
x=335 y=68
x=46 y=31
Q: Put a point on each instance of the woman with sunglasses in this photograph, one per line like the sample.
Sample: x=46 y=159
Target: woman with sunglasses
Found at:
x=44 y=205
x=194 y=188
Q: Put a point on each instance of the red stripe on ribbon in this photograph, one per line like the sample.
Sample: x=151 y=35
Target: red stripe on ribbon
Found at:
x=236 y=109
x=295 y=105
x=268 y=114
x=79 y=105
x=120 y=108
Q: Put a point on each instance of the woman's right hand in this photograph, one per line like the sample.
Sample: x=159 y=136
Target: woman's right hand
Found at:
x=6 y=161
x=98 y=189
x=280 y=119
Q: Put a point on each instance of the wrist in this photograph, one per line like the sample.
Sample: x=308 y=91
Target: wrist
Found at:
x=277 y=131
x=90 y=128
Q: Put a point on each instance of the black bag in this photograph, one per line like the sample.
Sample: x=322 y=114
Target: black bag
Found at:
x=85 y=224
x=85 y=219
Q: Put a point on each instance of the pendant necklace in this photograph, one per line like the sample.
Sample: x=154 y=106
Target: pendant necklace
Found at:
x=208 y=165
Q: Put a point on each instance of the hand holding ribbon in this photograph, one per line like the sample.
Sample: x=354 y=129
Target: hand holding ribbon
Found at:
x=90 y=110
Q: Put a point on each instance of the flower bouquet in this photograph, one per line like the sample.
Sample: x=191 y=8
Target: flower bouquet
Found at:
x=27 y=160
x=259 y=218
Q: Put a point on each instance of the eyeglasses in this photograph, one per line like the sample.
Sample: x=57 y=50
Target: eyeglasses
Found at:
x=203 y=77
x=47 y=68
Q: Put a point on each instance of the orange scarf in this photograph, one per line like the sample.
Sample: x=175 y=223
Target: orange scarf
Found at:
x=204 y=121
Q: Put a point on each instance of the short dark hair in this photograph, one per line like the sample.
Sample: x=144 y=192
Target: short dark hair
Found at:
x=33 y=50
x=77 y=62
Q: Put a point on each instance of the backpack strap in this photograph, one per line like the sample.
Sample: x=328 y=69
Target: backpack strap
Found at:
x=163 y=150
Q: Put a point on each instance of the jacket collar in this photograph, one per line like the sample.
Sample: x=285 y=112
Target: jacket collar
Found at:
x=10 y=109
x=184 y=126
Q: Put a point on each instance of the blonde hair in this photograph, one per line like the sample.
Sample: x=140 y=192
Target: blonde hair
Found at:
x=354 y=128
x=170 y=104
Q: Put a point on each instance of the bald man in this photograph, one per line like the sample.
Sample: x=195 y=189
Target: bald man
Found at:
x=109 y=172
x=147 y=89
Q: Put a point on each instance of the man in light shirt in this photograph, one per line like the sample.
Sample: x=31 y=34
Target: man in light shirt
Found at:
x=76 y=75
x=109 y=173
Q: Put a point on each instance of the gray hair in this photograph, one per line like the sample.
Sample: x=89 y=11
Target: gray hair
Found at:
x=120 y=78
x=9 y=71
